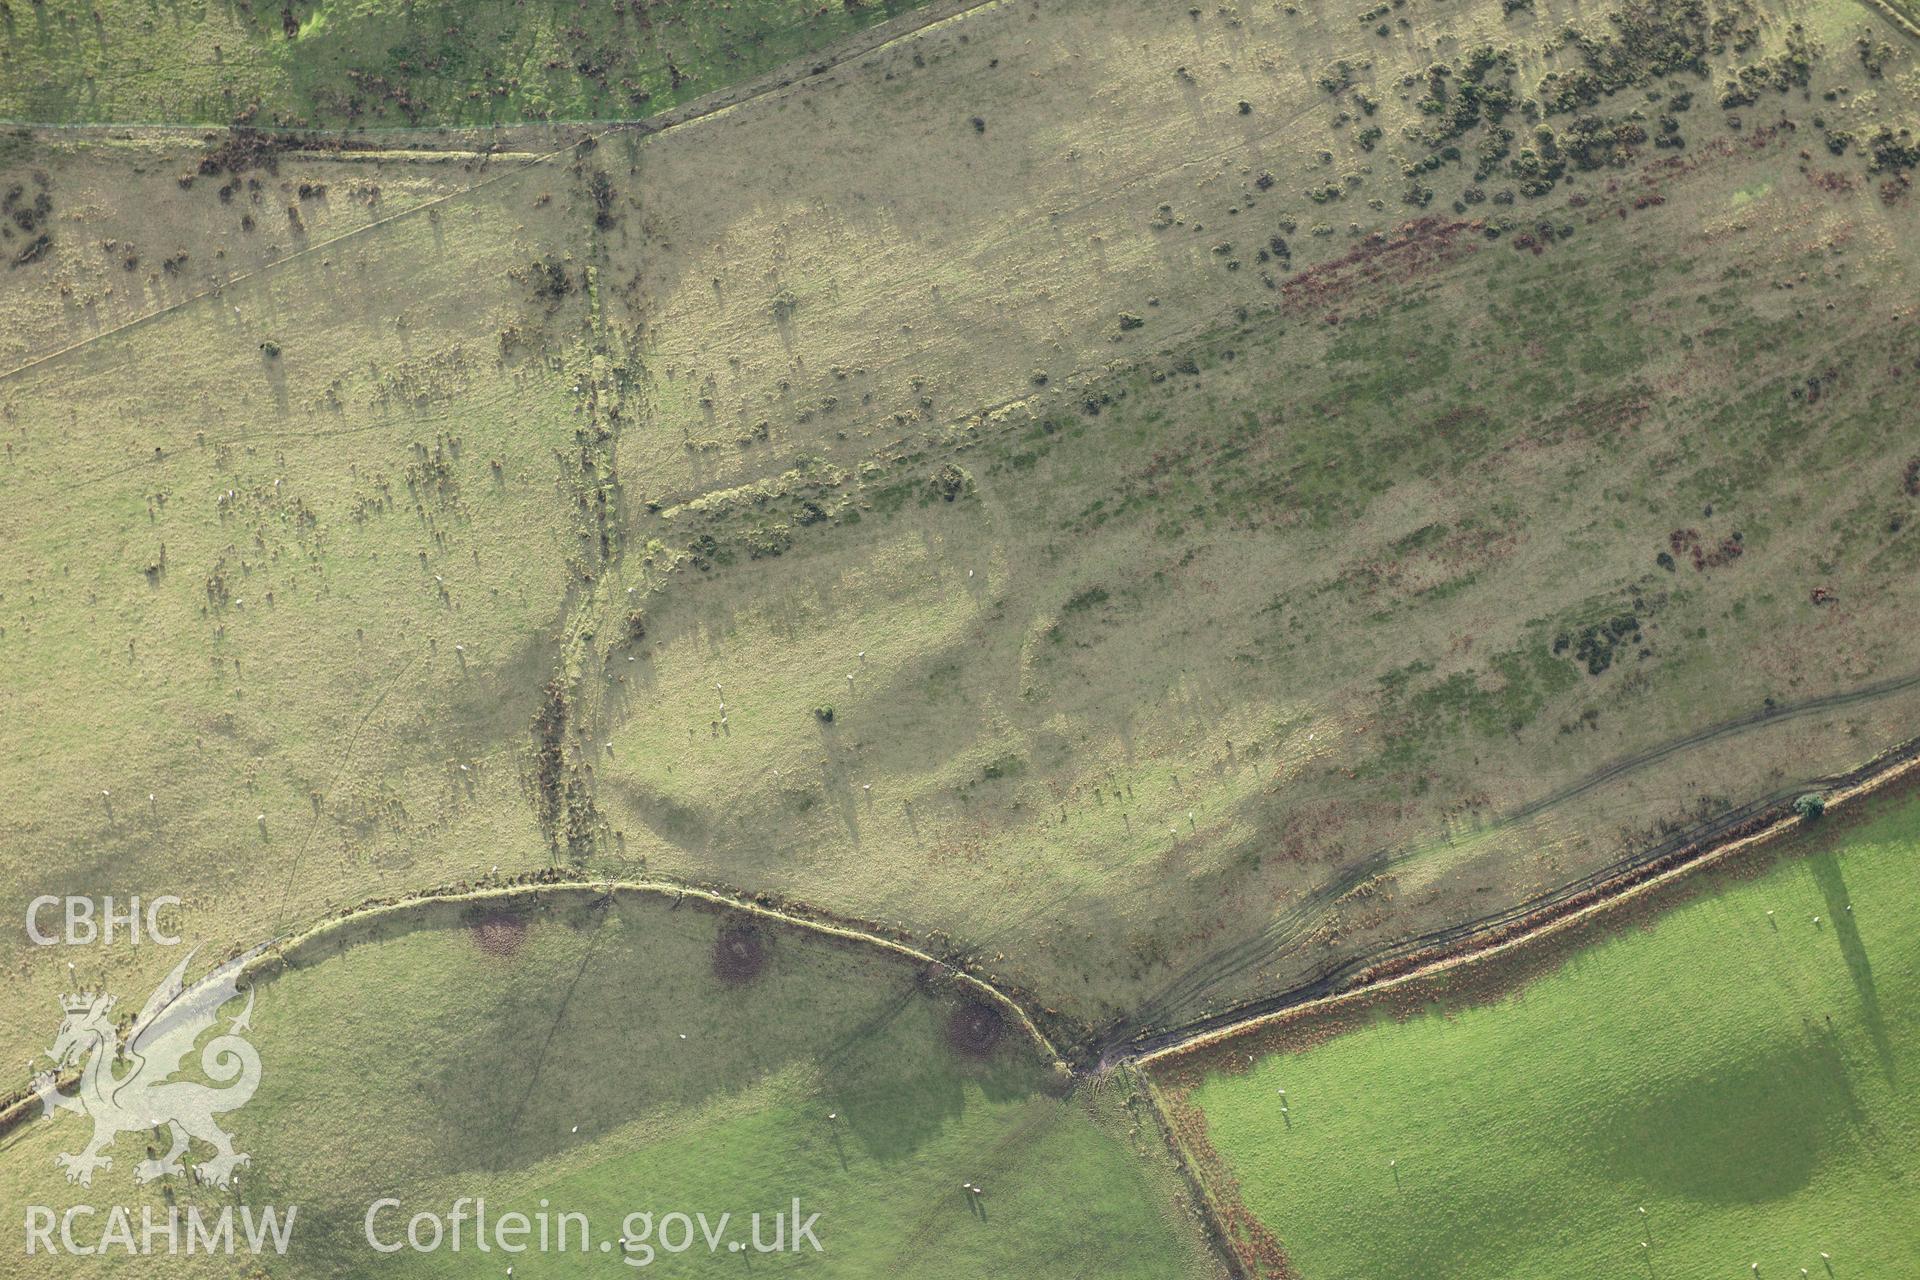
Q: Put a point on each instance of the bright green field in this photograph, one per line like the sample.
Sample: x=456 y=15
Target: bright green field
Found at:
x=385 y=62
x=1689 y=1069
x=416 y=1065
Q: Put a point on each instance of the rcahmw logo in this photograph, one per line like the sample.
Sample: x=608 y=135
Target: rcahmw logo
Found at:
x=78 y=1230
x=79 y=923
x=123 y=1087
x=139 y=1098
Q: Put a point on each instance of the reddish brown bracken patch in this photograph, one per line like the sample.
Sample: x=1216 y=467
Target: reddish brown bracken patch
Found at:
x=974 y=1029
x=1252 y=1243
x=499 y=934
x=1687 y=542
x=739 y=954
x=1414 y=249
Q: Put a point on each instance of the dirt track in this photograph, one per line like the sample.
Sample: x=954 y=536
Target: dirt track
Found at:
x=1137 y=1034
x=782 y=77
x=1758 y=820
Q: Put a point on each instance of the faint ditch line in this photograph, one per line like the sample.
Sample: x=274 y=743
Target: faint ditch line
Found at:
x=873 y=37
x=1040 y=1117
x=560 y=1016
x=796 y=71
x=269 y=267
x=293 y=873
x=1552 y=919
x=1214 y=1218
x=415 y=423
x=1271 y=941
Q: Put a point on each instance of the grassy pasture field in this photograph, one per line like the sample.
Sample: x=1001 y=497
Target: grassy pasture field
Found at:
x=1154 y=503
x=286 y=568
x=390 y=63
x=1167 y=620
x=1674 y=1092
x=1245 y=489
x=135 y=226
x=618 y=1058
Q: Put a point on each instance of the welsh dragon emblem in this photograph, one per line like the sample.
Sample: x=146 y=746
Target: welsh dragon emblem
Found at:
x=124 y=1086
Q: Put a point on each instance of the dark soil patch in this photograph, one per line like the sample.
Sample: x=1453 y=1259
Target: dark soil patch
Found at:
x=499 y=934
x=974 y=1029
x=739 y=954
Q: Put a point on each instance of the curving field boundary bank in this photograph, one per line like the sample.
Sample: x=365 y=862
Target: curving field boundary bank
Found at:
x=309 y=946
x=1498 y=956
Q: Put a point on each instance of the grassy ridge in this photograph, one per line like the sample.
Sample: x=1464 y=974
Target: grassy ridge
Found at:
x=330 y=63
x=1735 y=1073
